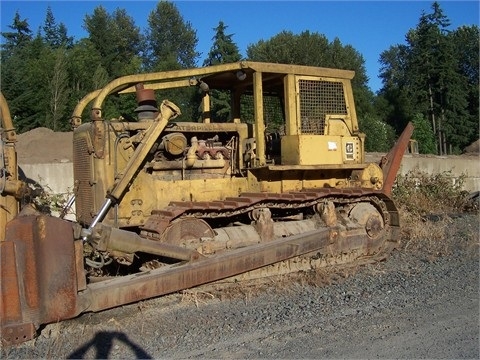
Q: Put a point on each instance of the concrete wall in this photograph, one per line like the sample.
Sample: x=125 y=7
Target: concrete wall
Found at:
x=54 y=178
x=57 y=178
x=469 y=166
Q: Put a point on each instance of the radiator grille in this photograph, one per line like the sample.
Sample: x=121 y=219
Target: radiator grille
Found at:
x=317 y=99
x=82 y=169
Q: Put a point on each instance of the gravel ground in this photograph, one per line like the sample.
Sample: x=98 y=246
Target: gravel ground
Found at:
x=411 y=306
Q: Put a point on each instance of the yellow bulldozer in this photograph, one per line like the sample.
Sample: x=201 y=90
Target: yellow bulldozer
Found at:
x=165 y=203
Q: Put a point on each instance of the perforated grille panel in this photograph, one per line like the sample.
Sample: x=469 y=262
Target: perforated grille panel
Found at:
x=84 y=200
x=317 y=99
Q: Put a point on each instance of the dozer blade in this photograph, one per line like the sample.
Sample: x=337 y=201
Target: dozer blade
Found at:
x=42 y=278
x=165 y=280
x=38 y=280
x=391 y=162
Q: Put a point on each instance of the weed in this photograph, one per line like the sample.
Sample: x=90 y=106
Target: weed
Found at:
x=421 y=193
x=428 y=205
x=47 y=201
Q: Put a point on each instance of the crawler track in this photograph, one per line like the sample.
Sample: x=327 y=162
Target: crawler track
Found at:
x=355 y=249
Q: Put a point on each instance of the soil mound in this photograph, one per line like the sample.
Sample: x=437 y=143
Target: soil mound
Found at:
x=44 y=146
x=473 y=148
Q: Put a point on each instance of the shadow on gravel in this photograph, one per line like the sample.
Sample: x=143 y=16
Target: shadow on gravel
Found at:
x=103 y=341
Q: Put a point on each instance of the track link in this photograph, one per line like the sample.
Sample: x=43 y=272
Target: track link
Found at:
x=289 y=203
x=284 y=202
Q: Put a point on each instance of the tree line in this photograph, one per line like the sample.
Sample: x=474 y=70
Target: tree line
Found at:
x=431 y=80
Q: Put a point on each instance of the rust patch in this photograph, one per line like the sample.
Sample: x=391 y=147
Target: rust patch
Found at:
x=10 y=309
x=123 y=290
x=38 y=275
x=391 y=162
x=16 y=334
x=80 y=271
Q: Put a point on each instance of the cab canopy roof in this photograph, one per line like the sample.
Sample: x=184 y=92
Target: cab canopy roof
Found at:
x=222 y=77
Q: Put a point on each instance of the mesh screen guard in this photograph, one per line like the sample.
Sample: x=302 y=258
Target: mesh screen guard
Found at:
x=317 y=99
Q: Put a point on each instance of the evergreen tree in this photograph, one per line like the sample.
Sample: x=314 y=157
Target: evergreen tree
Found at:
x=55 y=34
x=466 y=42
x=85 y=73
x=16 y=64
x=34 y=75
x=223 y=50
x=392 y=72
x=83 y=58
x=33 y=101
x=118 y=44
x=425 y=67
x=17 y=39
x=429 y=76
x=424 y=135
x=171 y=44
x=171 y=41
x=116 y=39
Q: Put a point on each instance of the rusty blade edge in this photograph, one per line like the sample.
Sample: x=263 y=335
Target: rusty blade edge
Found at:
x=119 y=291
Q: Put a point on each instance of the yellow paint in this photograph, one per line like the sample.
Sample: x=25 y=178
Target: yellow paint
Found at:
x=319 y=141
x=318 y=149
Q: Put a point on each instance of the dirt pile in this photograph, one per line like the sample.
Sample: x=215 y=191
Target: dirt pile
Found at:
x=43 y=146
x=473 y=148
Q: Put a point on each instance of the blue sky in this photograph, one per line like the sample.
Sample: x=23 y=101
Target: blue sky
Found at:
x=369 y=26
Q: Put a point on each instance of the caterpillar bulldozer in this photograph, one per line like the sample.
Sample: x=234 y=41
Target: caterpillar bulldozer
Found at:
x=165 y=203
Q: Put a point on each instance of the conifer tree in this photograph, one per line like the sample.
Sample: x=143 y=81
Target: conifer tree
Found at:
x=117 y=40
x=223 y=50
x=55 y=35
x=18 y=38
x=429 y=76
x=171 y=41
x=171 y=45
